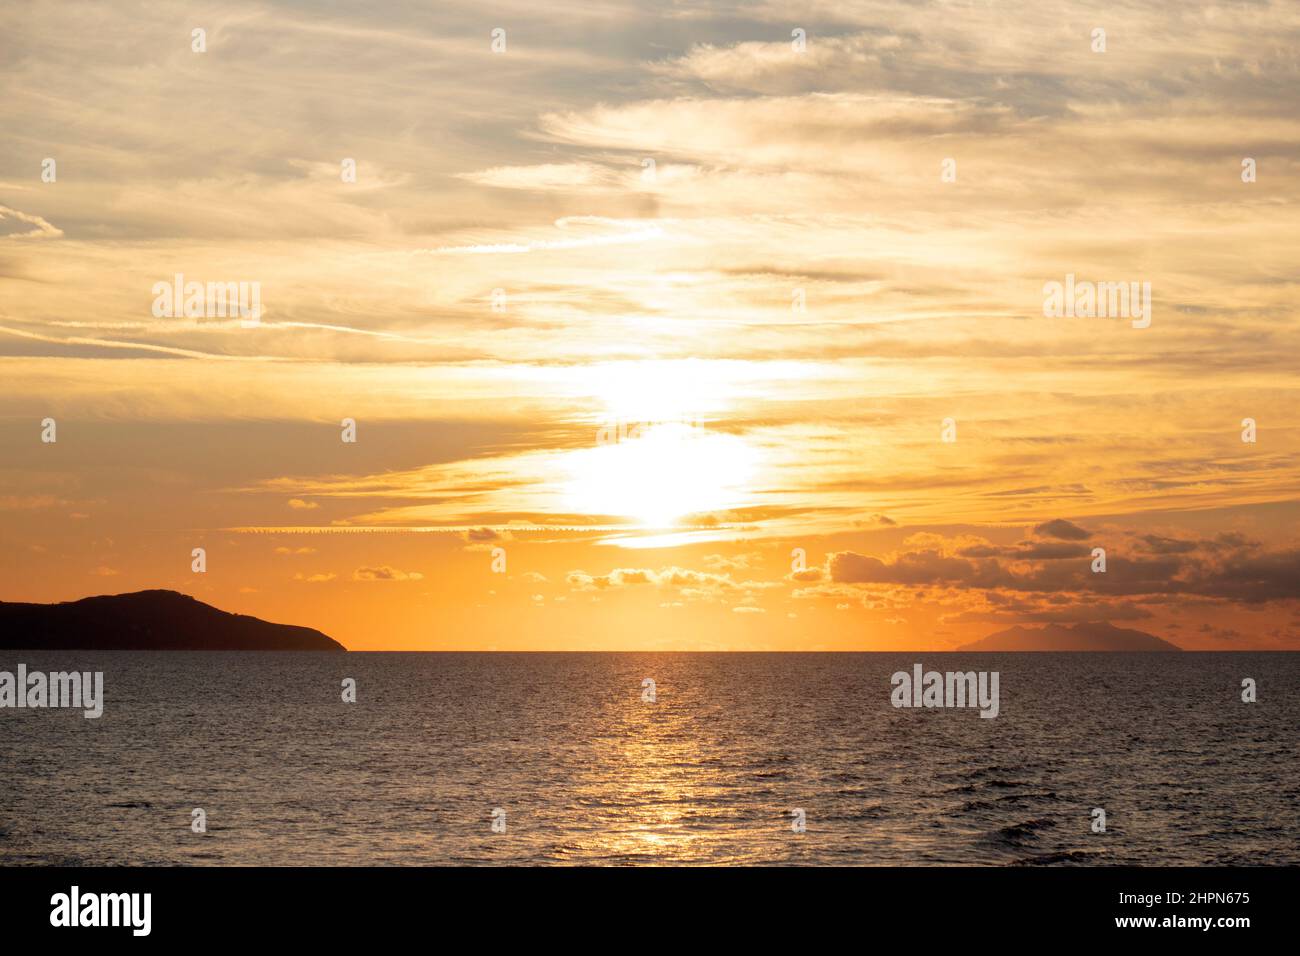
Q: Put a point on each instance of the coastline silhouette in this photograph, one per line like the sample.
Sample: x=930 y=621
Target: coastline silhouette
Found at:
x=154 y=620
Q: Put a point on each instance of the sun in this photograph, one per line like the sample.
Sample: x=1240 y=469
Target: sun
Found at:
x=658 y=474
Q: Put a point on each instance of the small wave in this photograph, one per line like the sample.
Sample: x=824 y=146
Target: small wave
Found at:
x=1019 y=832
x=1051 y=859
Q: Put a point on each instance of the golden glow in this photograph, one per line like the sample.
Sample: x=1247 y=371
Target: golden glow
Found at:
x=666 y=397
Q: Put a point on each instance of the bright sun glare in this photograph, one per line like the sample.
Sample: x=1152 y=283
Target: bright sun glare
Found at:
x=659 y=474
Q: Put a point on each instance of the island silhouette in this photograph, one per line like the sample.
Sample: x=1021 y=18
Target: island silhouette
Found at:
x=155 y=620
x=1085 y=636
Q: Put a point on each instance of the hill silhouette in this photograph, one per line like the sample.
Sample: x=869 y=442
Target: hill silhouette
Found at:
x=148 y=621
x=1097 y=636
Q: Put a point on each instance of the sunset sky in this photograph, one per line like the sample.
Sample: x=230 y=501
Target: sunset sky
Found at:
x=643 y=417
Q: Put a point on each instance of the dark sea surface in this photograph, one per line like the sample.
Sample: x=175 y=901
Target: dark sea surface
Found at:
x=589 y=773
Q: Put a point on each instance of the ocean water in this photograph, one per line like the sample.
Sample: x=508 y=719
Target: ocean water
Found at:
x=589 y=773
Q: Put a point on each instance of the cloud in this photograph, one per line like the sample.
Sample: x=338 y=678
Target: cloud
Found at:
x=385 y=573
x=714 y=131
x=298 y=504
x=30 y=502
x=691 y=583
x=1231 y=569
x=612 y=233
x=736 y=562
x=815 y=573
x=548 y=176
x=1029 y=609
x=40 y=229
x=1060 y=528
x=1026 y=551
x=320 y=578
x=879 y=521
x=618 y=578
x=1159 y=544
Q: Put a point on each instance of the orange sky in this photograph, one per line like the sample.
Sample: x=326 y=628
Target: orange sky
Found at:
x=649 y=300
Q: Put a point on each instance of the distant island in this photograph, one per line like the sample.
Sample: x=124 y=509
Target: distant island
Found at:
x=148 y=621
x=1079 y=637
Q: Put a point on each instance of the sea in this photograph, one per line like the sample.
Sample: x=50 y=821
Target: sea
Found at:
x=730 y=758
